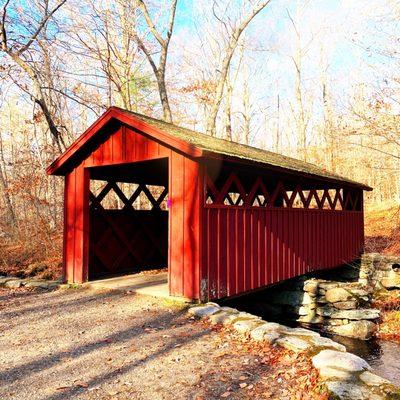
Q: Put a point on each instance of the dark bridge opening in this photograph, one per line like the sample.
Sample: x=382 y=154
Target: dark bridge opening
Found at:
x=128 y=218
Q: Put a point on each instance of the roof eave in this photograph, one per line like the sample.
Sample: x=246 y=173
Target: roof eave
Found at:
x=212 y=154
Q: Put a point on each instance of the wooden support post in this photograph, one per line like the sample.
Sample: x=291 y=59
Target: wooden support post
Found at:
x=76 y=225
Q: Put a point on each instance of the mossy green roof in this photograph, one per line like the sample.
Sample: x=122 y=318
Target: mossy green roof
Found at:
x=233 y=149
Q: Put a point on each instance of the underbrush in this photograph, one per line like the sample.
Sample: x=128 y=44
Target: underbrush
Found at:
x=388 y=302
x=382 y=229
x=35 y=256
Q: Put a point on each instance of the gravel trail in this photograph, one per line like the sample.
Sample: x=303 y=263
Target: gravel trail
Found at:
x=84 y=344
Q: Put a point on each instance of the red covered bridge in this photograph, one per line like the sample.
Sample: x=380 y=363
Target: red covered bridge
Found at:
x=223 y=217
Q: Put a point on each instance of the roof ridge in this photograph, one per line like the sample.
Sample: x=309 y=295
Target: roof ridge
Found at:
x=244 y=146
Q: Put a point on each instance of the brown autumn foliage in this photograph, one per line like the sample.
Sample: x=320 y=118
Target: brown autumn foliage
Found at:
x=382 y=229
x=389 y=304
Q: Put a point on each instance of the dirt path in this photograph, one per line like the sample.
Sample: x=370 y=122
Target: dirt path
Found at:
x=83 y=344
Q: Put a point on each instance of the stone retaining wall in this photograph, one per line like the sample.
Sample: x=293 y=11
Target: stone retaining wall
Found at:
x=345 y=375
x=337 y=307
x=337 y=301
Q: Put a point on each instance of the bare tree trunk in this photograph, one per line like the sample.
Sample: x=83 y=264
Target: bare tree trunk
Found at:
x=228 y=113
x=5 y=189
x=225 y=63
x=160 y=70
x=16 y=55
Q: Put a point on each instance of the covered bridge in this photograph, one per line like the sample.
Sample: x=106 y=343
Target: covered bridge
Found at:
x=224 y=218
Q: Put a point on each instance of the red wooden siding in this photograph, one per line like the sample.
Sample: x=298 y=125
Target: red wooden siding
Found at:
x=247 y=248
x=125 y=145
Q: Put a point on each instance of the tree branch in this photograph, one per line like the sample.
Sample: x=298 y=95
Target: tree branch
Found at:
x=39 y=28
x=150 y=23
x=3 y=27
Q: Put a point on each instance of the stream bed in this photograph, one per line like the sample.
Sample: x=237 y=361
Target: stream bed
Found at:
x=382 y=355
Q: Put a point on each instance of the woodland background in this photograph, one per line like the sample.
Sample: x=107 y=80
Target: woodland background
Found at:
x=313 y=79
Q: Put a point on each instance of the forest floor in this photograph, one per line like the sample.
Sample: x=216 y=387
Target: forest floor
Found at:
x=382 y=229
x=82 y=344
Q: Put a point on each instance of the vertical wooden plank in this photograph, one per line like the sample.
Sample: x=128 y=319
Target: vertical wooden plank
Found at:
x=231 y=252
x=254 y=249
x=281 y=245
x=118 y=145
x=141 y=147
x=191 y=231
x=271 y=273
x=222 y=252
x=107 y=151
x=98 y=156
x=261 y=245
x=81 y=224
x=248 y=259
x=69 y=244
x=152 y=148
x=176 y=190
x=213 y=243
x=130 y=145
x=240 y=218
x=274 y=247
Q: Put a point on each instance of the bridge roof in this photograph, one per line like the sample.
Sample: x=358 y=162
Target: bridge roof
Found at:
x=207 y=145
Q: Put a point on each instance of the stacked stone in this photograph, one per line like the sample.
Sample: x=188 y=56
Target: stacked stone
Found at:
x=13 y=282
x=345 y=375
x=337 y=307
x=380 y=271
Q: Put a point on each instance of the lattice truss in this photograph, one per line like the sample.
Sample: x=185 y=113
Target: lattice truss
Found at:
x=232 y=192
x=124 y=196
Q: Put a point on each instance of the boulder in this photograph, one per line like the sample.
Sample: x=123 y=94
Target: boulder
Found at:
x=336 y=322
x=39 y=284
x=325 y=311
x=329 y=373
x=294 y=343
x=302 y=332
x=356 y=329
x=392 y=282
x=341 y=360
x=326 y=343
x=5 y=279
x=311 y=319
x=371 y=379
x=346 y=305
x=246 y=325
x=348 y=391
x=202 y=311
x=326 y=285
x=337 y=294
x=230 y=310
x=266 y=333
x=362 y=313
x=311 y=286
x=222 y=317
x=13 y=283
x=268 y=327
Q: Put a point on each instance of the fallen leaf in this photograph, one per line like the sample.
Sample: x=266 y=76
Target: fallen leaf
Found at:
x=226 y=394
